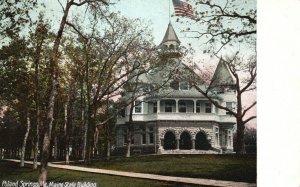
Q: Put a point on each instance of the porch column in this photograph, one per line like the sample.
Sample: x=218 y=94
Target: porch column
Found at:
x=195 y=101
x=158 y=106
x=213 y=109
x=177 y=141
x=193 y=144
x=177 y=110
x=162 y=143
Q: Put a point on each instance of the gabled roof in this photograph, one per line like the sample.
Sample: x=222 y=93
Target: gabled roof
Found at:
x=170 y=35
x=222 y=76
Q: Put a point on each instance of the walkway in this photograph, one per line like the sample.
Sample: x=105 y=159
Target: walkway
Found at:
x=186 y=180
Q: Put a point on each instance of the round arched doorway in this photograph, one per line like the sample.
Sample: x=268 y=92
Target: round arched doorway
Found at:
x=201 y=142
x=185 y=141
x=169 y=141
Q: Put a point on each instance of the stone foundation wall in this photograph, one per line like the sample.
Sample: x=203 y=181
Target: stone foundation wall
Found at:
x=160 y=128
x=192 y=127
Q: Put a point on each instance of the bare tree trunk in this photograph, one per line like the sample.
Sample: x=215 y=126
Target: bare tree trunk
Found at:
x=66 y=133
x=129 y=129
x=84 y=134
x=108 y=139
x=25 y=141
x=240 y=144
x=47 y=138
x=108 y=149
x=88 y=115
x=84 y=153
x=128 y=141
x=90 y=132
x=55 y=156
x=83 y=105
x=36 y=147
x=37 y=107
x=96 y=141
x=53 y=77
x=130 y=121
x=37 y=99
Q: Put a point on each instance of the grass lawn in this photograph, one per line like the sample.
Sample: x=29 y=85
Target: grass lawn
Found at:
x=222 y=167
x=10 y=171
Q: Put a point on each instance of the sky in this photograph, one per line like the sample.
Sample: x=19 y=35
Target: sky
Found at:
x=154 y=11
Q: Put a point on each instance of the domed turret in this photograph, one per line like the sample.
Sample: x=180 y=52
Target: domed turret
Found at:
x=170 y=43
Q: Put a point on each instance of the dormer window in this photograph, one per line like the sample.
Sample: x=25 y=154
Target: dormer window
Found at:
x=174 y=85
x=184 y=85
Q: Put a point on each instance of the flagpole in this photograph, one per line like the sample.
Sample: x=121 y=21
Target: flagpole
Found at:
x=170 y=11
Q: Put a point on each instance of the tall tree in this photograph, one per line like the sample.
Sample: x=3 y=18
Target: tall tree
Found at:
x=53 y=75
x=16 y=83
x=39 y=42
x=109 y=52
x=229 y=26
x=244 y=74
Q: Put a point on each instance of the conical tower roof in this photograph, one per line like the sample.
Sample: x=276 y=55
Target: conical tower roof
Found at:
x=170 y=35
x=222 y=76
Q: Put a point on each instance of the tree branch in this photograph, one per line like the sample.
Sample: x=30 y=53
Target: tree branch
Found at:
x=205 y=94
x=77 y=30
x=89 y=1
x=247 y=109
x=250 y=118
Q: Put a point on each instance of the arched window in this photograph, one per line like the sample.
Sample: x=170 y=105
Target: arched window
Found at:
x=201 y=142
x=185 y=141
x=169 y=141
x=171 y=47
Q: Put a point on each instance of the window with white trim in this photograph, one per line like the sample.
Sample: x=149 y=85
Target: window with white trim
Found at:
x=144 y=141
x=198 y=107
x=124 y=136
x=229 y=138
x=182 y=106
x=229 y=106
x=155 y=107
x=168 y=106
x=208 y=108
x=184 y=85
x=217 y=136
x=138 y=106
x=150 y=134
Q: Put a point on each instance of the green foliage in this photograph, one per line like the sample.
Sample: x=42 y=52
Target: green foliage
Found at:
x=14 y=15
x=14 y=72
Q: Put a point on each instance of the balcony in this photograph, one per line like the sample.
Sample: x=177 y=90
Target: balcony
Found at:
x=178 y=110
x=178 y=117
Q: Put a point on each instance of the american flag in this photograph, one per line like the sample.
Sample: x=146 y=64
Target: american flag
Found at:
x=183 y=8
